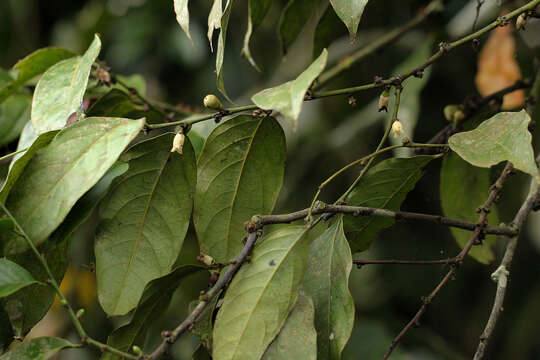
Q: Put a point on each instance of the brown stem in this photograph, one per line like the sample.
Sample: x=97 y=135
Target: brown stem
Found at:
x=475 y=238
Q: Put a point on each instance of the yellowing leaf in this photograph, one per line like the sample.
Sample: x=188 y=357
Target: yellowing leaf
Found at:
x=497 y=67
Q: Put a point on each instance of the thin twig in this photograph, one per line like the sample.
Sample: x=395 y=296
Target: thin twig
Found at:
x=10 y=155
x=322 y=208
x=444 y=48
x=476 y=237
x=85 y=339
x=447 y=261
x=506 y=262
x=376 y=45
x=170 y=337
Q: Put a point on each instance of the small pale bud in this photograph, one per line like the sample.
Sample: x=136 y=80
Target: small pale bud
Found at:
x=521 y=21
x=384 y=99
x=459 y=116
x=178 y=143
x=449 y=111
x=80 y=313
x=205 y=259
x=212 y=102
x=397 y=128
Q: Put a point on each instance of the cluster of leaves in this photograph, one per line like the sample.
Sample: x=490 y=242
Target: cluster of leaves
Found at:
x=158 y=208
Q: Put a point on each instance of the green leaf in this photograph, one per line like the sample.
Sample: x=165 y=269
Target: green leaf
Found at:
x=202 y=328
x=328 y=29
x=471 y=183
x=42 y=348
x=182 y=16
x=293 y=18
x=505 y=136
x=28 y=306
x=13 y=277
x=57 y=176
x=19 y=164
x=221 y=48
x=14 y=112
x=154 y=302
x=34 y=64
x=27 y=138
x=350 y=12
x=261 y=295
x=384 y=186
x=60 y=91
x=145 y=219
x=327 y=283
x=6 y=332
x=257 y=10
x=288 y=98
x=298 y=338
x=214 y=20
x=201 y=353
x=240 y=173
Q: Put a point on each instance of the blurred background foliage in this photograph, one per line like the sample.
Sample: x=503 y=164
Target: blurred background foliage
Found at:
x=143 y=37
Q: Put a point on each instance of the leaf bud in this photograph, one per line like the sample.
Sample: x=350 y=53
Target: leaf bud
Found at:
x=384 y=99
x=397 y=128
x=521 y=22
x=449 y=111
x=211 y=101
x=80 y=313
x=136 y=350
x=178 y=143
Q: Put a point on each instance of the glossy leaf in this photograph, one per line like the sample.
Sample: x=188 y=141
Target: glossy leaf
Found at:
x=459 y=177
x=33 y=65
x=182 y=16
x=505 y=136
x=350 y=12
x=116 y=103
x=384 y=186
x=240 y=173
x=257 y=10
x=20 y=163
x=59 y=92
x=293 y=18
x=13 y=277
x=42 y=348
x=214 y=20
x=327 y=283
x=288 y=98
x=56 y=177
x=298 y=338
x=264 y=291
x=154 y=302
x=145 y=219
x=14 y=112
x=221 y=48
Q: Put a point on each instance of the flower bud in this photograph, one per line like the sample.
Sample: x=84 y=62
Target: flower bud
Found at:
x=212 y=102
x=521 y=21
x=178 y=143
x=205 y=259
x=384 y=99
x=397 y=128
x=449 y=111
x=80 y=313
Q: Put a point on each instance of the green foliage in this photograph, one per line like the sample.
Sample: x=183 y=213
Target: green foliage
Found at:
x=41 y=348
x=263 y=292
x=326 y=282
x=58 y=176
x=14 y=111
x=350 y=12
x=257 y=10
x=505 y=136
x=59 y=92
x=385 y=186
x=182 y=15
x=297 y=338
x=145 y=220
x=13 y=277
x=240 y=172
x=288 y=98
x=224 y=22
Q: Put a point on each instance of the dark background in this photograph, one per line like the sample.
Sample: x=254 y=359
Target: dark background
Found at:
x=142 y=37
